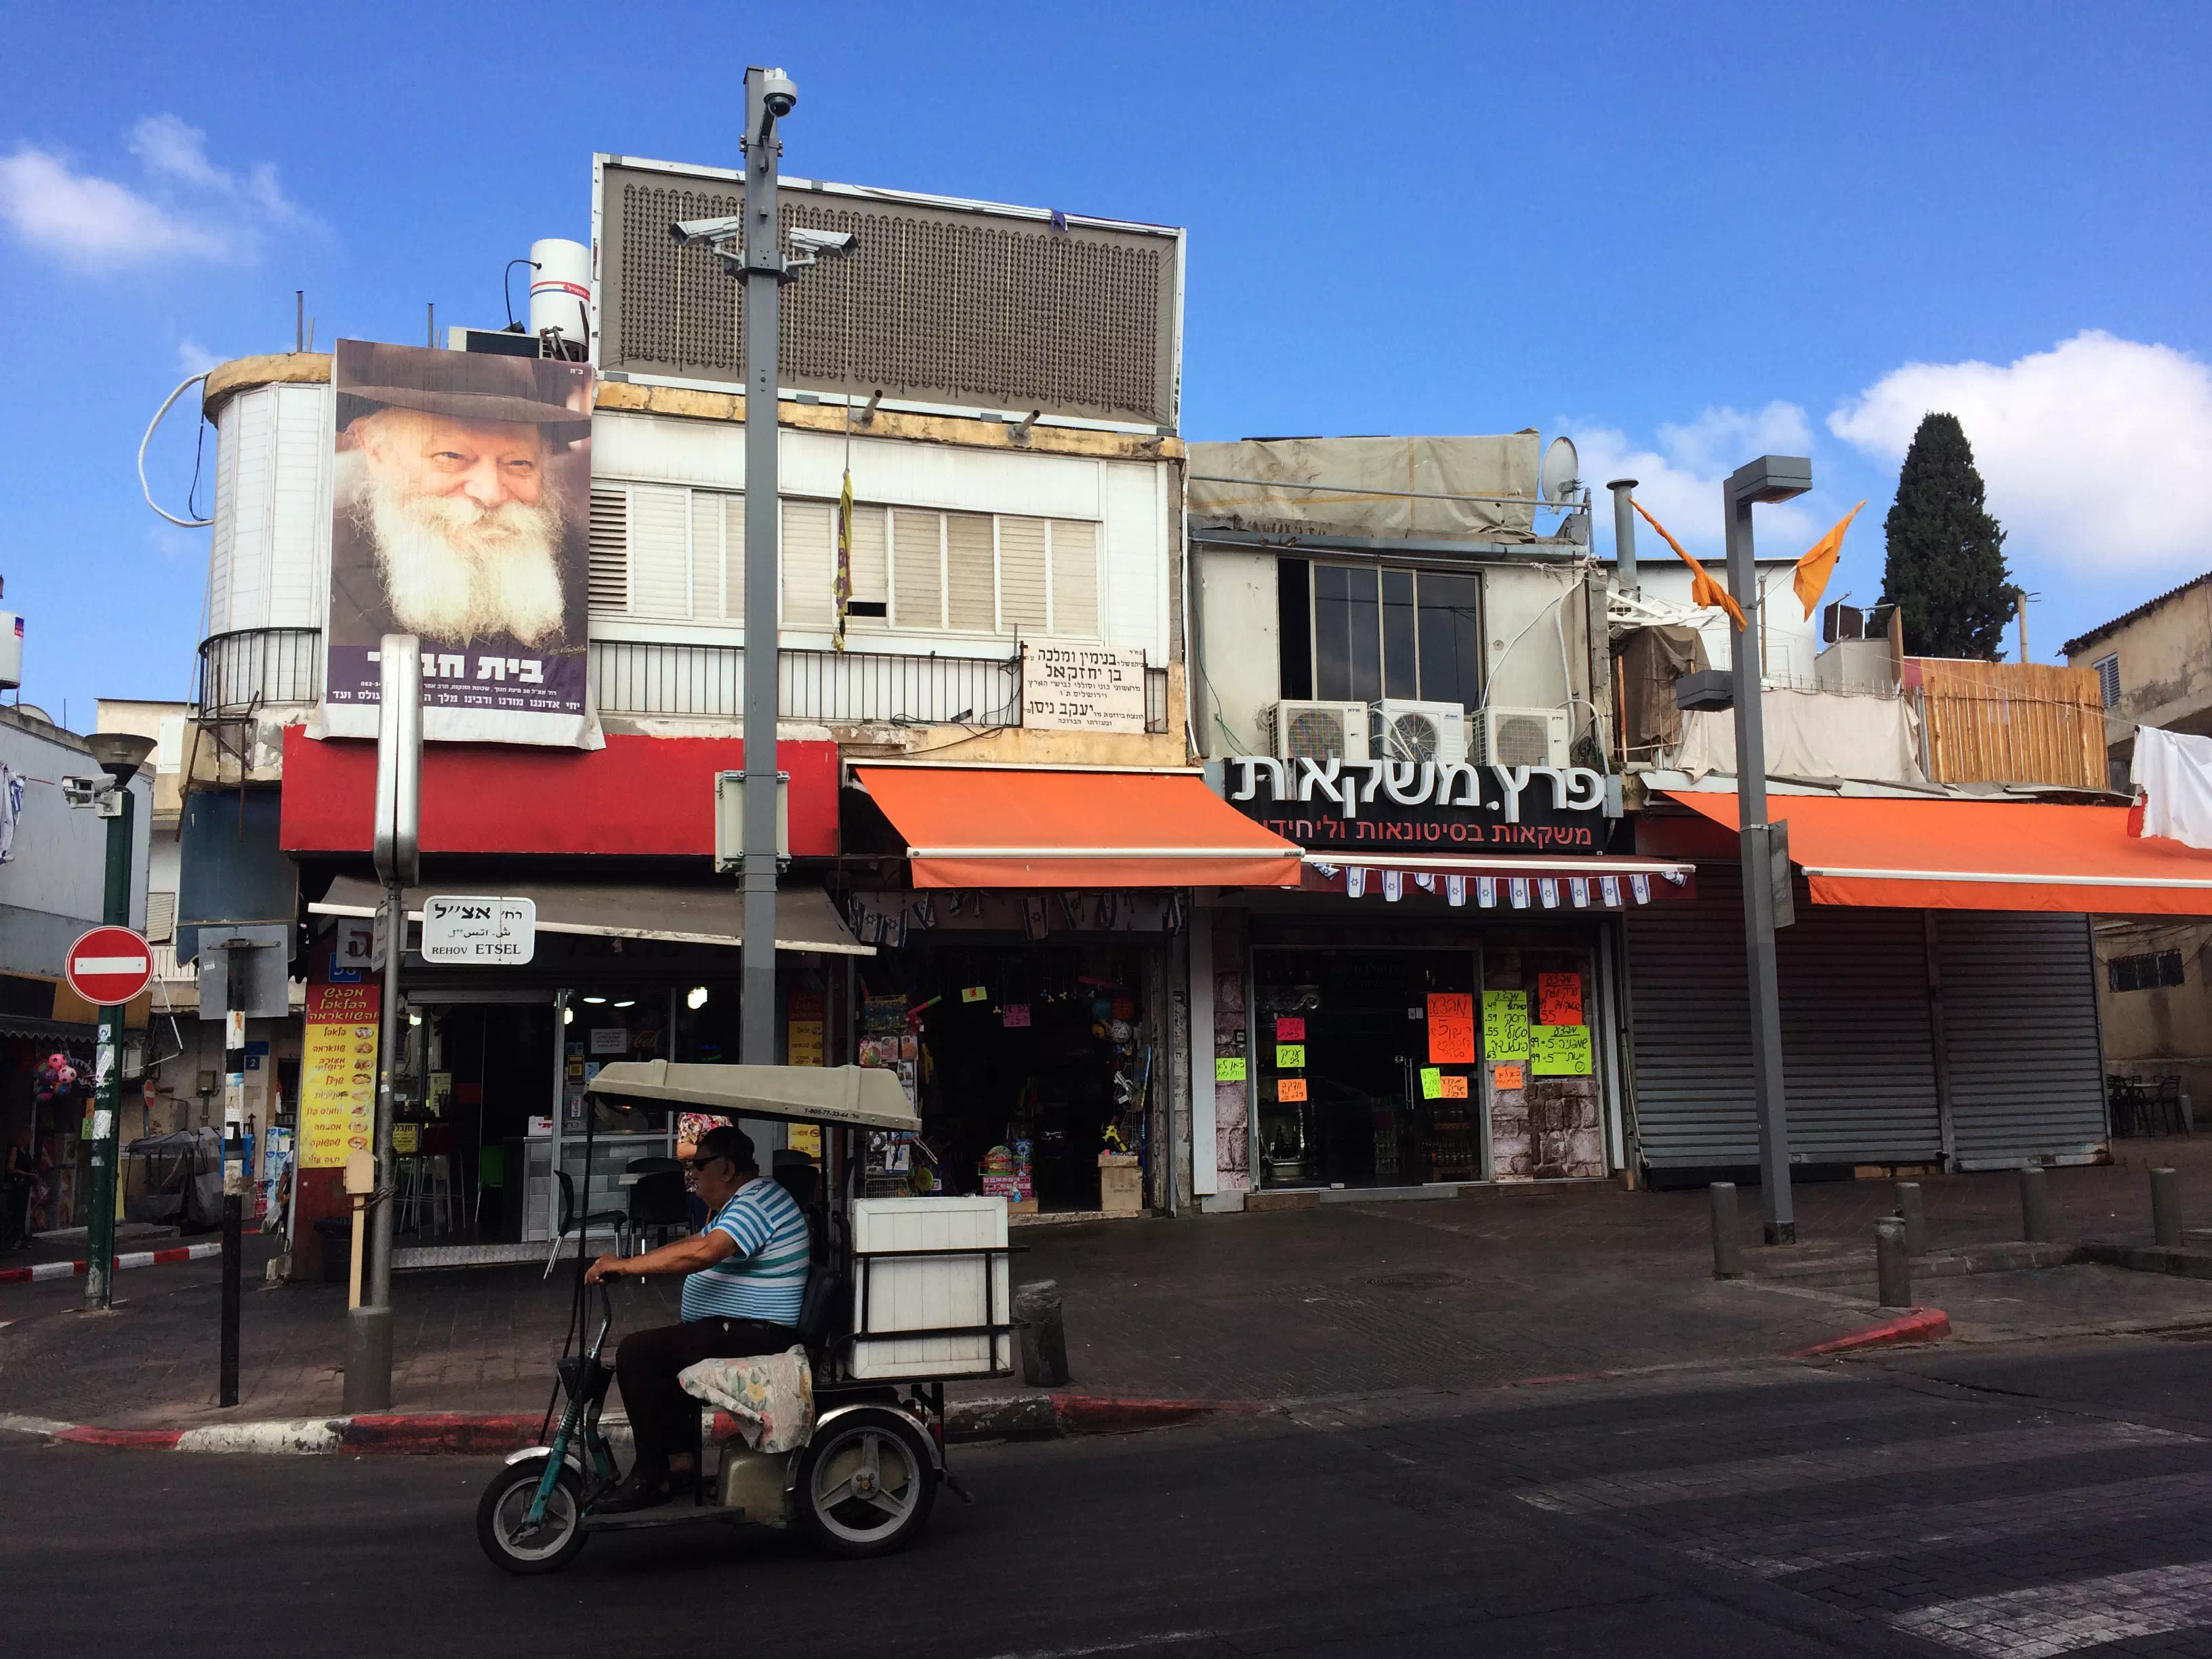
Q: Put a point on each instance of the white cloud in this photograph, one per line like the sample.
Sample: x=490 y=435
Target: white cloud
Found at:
x=2096 y=454
x=188 y=208
x=193 y=358
x=1678 y=478
x=96 y=222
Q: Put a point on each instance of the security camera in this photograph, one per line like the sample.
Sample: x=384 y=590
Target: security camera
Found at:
x=815 y=243
x=778 y=92
x=707 y=230
x=85 y=791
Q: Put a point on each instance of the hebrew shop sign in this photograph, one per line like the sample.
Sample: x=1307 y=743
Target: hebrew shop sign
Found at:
x=1410 y=806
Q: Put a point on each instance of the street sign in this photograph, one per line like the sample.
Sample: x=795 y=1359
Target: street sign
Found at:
x=483 y=930
x=109 y=966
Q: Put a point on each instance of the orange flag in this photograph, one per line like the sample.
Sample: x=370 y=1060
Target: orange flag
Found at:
x=1820 y=563
x=1703 y=589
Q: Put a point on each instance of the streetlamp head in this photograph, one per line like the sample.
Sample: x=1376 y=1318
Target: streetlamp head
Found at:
x=119 y=753
x=1770 y=478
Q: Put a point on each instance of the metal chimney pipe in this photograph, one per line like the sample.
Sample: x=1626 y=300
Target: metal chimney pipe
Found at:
x=1624 y=536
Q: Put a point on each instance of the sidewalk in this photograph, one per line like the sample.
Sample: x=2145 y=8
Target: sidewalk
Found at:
x=1511 y=1287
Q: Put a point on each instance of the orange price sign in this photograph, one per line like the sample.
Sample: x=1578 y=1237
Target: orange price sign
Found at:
x=1451 y=1028
x=1505 y=1077
x=1453 y=1088
x=1290 y=1088
x=1558 y=999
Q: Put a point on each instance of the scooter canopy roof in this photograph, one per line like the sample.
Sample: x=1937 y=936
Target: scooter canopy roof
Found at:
x=856 y=1097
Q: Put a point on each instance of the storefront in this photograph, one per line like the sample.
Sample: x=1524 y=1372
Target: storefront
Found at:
x=1439 y=1002
x=1031 y=979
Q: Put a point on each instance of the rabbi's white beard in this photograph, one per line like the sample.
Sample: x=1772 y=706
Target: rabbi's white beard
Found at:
x=456 y=571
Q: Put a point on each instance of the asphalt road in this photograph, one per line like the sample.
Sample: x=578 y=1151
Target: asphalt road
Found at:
x=2023 y=1502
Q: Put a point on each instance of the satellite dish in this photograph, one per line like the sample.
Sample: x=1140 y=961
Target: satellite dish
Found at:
x=1560 y=473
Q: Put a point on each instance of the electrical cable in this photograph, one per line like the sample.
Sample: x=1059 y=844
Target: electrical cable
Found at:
x=146 y=489
x=506 y=285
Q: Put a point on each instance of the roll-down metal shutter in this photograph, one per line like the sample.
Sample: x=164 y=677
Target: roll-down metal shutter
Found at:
x=2019 y=1025
x=1859 y=1053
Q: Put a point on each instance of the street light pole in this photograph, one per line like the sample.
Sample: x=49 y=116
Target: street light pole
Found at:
x=768 y=95
x=1770 y=478
x=107 y=1063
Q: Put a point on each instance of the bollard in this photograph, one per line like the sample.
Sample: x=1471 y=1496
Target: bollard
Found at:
x=2165 y=1207
x=231 y=1208
x=1728 y=1243
x=1044 y=1338
x=2034 y=1207
x=1892 y=1268
x=1915 y=1217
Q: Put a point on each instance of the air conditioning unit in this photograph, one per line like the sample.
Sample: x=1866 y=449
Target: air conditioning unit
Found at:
x=1521 y=737
x=1408 y=731
x=1317 y=731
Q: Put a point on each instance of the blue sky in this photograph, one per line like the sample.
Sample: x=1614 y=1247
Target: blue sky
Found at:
x=1684 y=233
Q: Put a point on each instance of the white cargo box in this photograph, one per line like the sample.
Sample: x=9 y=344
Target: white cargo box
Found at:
x=960 y=1288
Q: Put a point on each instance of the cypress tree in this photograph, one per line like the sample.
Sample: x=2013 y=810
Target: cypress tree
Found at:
x=1946 y=569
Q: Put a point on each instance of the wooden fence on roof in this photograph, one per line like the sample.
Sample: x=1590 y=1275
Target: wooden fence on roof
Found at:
x=2012 y=722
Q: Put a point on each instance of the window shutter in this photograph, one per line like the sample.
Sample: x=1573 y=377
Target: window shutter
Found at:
x=706 y=586
x=809 y=564
x=161 y=917
x=971 y=576
x=917 y=570
x=609 y=582
x=659 y=552
x=1022 y=603
x=1075 y=579
x=733 y=558
x=872 y=573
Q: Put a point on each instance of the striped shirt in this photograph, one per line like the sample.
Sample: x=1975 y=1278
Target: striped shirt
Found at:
x=765 y=1277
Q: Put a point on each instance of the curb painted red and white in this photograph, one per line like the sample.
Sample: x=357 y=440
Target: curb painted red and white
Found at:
x=77 y=1268
x=1921 y=1325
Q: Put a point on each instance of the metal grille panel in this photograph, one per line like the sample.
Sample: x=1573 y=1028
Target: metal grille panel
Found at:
x=940 y=304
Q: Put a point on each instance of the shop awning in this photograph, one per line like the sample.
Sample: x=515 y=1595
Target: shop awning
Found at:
x=984 y=827
x=804 y=919
x=1979 y=854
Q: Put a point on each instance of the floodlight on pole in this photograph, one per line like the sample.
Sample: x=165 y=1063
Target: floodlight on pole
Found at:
x=1765 y=847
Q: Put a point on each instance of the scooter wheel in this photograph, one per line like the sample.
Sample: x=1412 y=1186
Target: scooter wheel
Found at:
x=503 y=1529
x=866 y=1484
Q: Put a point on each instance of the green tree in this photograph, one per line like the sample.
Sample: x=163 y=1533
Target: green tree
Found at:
x=1946 y=569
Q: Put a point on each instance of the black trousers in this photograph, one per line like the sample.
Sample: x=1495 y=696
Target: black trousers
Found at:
x=664 y=1419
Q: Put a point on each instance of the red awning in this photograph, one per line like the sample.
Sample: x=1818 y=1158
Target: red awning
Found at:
x=1979 y=854
x=986 y=827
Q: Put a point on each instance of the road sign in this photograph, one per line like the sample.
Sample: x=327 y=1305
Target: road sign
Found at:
x=109 y=966
x=487 y=930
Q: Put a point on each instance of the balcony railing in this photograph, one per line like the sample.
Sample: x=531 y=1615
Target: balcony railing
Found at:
x=244 y=671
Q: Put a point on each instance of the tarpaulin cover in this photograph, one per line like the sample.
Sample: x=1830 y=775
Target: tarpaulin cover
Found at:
x=1814 y=734
x=1978 y=855
x=981 y=827
x=805 y=918
x=2174 y=772
x=1384 y=487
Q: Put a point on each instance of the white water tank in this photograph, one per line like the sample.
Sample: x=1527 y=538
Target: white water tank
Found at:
x=561 y=289
x=11 y=650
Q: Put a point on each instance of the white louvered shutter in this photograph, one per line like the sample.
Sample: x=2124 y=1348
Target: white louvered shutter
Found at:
x=809 y=564
x=971 y=596
x=1022 y=591
x=917 y=570
x=871 y=575
x=609 y=584
x=161 y=917
x=733 y=558
x=1075 y=579
x=706 y=586
x=659 y=552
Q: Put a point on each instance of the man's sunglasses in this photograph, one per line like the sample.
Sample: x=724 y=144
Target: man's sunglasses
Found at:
x=698 y=1165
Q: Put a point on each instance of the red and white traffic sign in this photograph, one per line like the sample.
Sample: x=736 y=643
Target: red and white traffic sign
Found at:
x=109 y=966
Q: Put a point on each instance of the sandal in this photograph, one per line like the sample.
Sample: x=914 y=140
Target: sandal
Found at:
x=633 y=1494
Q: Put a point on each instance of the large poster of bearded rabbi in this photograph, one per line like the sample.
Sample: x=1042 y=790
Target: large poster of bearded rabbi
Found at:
x=460 y=514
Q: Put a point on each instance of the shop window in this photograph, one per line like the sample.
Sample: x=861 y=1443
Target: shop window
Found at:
x=2150 y=971
x=1359 y=632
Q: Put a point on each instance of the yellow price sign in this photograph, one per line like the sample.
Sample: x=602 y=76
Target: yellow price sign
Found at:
x=1290 y=1056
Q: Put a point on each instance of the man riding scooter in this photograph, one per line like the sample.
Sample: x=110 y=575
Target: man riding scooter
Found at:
x=745 y=1276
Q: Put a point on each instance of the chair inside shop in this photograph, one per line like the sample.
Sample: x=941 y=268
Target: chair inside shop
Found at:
x=659 y=1200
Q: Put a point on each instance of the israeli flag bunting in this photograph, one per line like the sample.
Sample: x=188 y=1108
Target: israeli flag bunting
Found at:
x=1425 y=881
x=1456 y=890
x=1486 y=891
x=1680 y=877
x=1355 y=882
x=1394 y=886
x=1609 y=888
x=1549 y=888
x=1579 y=887
x=1641 y=886
x=1520 y=892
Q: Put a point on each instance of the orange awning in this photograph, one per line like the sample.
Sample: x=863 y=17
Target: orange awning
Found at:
x=1978 y=855
x=983 y=827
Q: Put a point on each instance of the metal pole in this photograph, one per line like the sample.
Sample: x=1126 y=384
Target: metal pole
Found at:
x=397 y=848
x=108 y=1075
x=1775 y=1197
x=1727 y=1248
x=2165 y=1207
x=232 y=1211
x=1893 y=1269
x=2034 y=1205
x=1914 y=1215
x=1624 y=536
x=764 y=275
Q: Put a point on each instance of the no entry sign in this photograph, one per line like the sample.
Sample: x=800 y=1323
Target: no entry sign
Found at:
x=109 y=966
